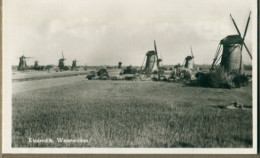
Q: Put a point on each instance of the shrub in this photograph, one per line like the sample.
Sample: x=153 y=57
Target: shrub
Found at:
x=217 y=79
x=240 y=80
x=102 y=72
x=187 y=75
x=130 y=70
x=48 y=67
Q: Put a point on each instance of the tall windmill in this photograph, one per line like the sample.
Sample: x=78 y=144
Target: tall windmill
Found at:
x=232 y=46
x=61 y=62
x=23 y=63
x=189 y=60
x=152 y=61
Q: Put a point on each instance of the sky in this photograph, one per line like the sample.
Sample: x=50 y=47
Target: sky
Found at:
x=103 y=32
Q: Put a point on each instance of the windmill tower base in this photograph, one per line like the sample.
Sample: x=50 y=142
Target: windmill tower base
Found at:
x=150 y=65
x=232 y=58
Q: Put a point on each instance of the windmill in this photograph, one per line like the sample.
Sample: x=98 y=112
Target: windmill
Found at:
x=189 y=61
x=23 y=63
x=119 y=65
x=61 y=62
x=74 y=64
x=231 y=47
x=152 y=61
x=36 y=64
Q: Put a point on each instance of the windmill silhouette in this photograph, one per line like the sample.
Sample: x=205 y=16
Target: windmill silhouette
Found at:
x=189 y=61
x=74 y=64
x=231 y=48
x=23 y=63
x=152 y=61
x=61 y=62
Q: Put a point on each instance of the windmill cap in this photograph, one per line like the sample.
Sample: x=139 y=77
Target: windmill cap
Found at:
x=149 y=53
x=188 y=57
x=231 y=39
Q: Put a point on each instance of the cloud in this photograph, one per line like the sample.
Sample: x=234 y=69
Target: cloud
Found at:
x=103 y=32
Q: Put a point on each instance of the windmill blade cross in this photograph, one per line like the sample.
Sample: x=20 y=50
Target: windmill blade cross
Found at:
x=235 y=25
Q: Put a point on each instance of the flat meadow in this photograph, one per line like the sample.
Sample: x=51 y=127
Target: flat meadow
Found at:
x=131 y=114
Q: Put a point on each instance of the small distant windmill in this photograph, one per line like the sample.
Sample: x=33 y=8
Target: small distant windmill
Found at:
x=61 y=62
x=36 y=64
x=189 y=61
x=22 y=63
x=74 y=64
x=232 y=46
x=119 y=65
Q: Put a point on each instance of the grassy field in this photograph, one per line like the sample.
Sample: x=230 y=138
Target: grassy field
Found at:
x=131 y=114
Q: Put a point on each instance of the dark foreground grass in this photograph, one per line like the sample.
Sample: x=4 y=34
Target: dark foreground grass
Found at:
x=132 y=114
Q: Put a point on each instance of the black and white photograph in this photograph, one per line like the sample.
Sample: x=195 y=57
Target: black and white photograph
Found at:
x=139 y=76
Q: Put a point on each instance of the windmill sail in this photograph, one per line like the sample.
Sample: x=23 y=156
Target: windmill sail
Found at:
x=62 y=55
x=191 y=51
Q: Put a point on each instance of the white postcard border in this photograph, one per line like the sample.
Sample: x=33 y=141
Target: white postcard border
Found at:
x=7 y=117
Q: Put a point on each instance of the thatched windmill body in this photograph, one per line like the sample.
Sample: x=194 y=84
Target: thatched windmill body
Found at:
x=232 y=46
x=36 y=64
x=37 y=67
x=23 y=63
x=119 y=65
x=152 y=61
x=74 y=64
